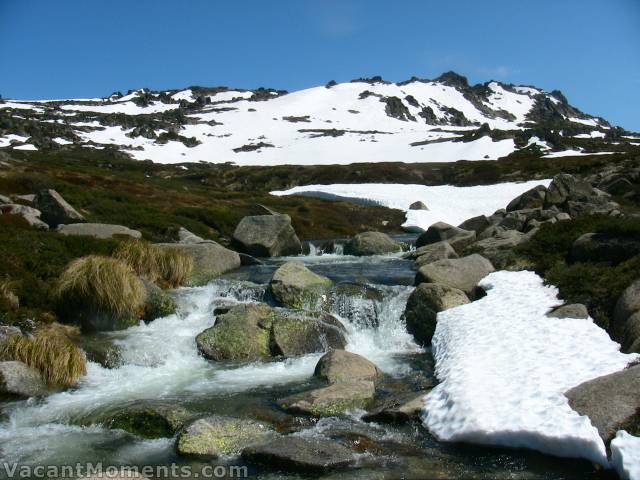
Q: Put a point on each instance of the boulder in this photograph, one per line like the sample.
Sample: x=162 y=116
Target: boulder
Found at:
x=55 y=209
x=267 y=236
x=475 y=224
x=215 y=436
x=7 y=331
x=19 y=380
x=462 y=273
x=97 y=230
x=185 y=236
x=456 y=237
x=533 y=198
x=336 y=399
x=434 y=252
x=423 y=306
x=294 y=285
x=210 y=260
x=418 y=206
x=397 y=409
x=152 y=420
x=242 y=333
x=371 y=243
x=29 y=214
x=598 y=247
x=626 y=306
x=573 y=310
x=611 y=402
x=249 y=260
x=303 y=454
x=293 y=335
x=341 y=366
x=498 y=248
x=631 y=334
x=25 y=199
x=251 y=332
x=565 y=187
x=491 y=231
x=159 y=303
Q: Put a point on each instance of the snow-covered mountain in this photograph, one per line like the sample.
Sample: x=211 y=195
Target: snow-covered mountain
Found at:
x=365 y=120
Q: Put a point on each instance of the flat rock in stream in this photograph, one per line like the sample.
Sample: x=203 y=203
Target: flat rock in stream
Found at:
x=335 y=399
x=215 y=435
x=397 y=409
x=153 y=420
x=294 y=285
x=300 y=454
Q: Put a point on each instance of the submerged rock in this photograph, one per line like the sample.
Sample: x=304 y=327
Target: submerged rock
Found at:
x=611 y=402
x=371 y=243
x=342 y=366
x=151 y=421
x=267 y=236
x=213 y=436
x=300 y=454
x=335 y=399
x=399 y=408
x=98 y=230
x=294 y=285
x=210 y=260
x=19 y=380
x=423 y=306
x=55 y=209
x=159 y=303
x=462 y=273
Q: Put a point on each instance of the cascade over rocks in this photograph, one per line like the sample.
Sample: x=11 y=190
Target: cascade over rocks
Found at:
x=267 y=236
x=462 y=273
x=371 y=243
x=423 y=306
x=294 y=285
x=55 y=209
x=456 y=237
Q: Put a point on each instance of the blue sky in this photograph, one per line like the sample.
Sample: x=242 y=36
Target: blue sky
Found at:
x=589 y=49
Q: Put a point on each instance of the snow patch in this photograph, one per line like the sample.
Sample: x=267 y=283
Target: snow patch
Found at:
x=625 y=455
x=504 y=366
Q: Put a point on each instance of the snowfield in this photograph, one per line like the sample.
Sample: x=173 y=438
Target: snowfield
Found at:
x=504 y=366
x=446 y=203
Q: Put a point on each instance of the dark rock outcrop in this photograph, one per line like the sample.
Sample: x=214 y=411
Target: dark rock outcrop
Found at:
x=55 y=209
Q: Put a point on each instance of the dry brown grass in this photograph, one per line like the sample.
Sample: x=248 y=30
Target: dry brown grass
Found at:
x=104 y=283
x=51 y=351
x=8 y=299
x=166 y=266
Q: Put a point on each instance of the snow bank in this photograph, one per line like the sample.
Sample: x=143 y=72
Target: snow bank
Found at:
x=446 y=203
x=625 y=455
x=504 y=367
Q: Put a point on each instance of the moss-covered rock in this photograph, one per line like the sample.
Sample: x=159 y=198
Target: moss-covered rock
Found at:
x=159 y=303
x=213 y=436
x=151 y=421
x=294 y=285
x=342 y=366
x=371 y=243
x=298 y=335
x=336 y=399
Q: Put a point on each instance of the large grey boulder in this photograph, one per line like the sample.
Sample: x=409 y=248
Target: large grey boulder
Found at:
x=336 y=399
x=215 y=436
x=423 y=306
x=185 y=236
x=294 y=285
x=476 y=224
x=565 y=187
x=434 y=252
x=533 y=198
x=267 y=236
x=98 y=230
x=342 y=366
x=498 y=248
x=611 y=402
x=462 y=273
x=249 y=332
x=55 y=209
x=456 y=237
x=210 y=259
x=631 y=335
x=29 y=214
x=303 y=454
x=573 y=310
x=19 y=380
x=598 y=247
x=627 y=305
x=371 y=243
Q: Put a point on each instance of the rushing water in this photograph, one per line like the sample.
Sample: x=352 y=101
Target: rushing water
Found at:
x=159 y=361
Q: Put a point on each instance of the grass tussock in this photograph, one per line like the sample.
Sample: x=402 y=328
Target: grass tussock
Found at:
x=168 y=267
x=51 y=351
x=102 y=282
x=8 y=299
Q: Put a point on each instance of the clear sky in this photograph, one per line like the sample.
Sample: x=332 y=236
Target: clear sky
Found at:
x=589 y=49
